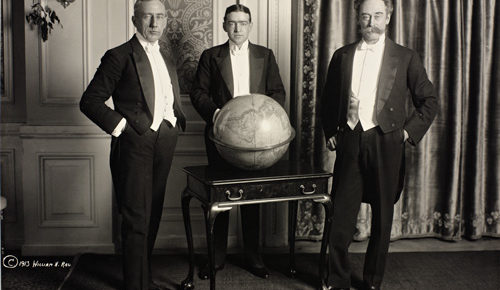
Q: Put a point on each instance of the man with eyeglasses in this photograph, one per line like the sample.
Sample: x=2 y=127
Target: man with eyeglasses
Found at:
x=144 y=124
x=227 y=71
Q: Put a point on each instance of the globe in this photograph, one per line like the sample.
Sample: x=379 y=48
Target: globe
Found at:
x=252 y=132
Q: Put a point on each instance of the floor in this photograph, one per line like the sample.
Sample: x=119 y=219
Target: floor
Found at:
x=415 y=245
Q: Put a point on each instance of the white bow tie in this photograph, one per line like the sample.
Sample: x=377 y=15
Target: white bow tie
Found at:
x=365 y=46
x=150 y=48
x=237 y=52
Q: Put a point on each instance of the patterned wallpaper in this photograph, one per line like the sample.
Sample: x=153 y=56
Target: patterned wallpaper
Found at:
x=189 y=31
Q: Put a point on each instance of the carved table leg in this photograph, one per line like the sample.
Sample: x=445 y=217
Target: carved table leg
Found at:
x=211 y=213
x=188 y=283
x=292 y=227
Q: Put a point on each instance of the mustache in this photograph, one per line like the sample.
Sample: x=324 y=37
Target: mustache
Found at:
x=372 y=29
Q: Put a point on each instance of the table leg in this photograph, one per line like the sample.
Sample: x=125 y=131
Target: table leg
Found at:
x=292 y=227
x=188 y=283
x=323 y=262
x=211 y=213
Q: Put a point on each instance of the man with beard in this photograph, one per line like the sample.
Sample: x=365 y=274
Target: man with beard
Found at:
x=365 y=119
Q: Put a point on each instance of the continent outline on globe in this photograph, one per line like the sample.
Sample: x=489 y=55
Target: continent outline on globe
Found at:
x=252 y=132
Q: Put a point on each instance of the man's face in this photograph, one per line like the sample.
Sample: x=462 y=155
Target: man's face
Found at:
x=150 y=20
x=237 y=26
x=373 y=19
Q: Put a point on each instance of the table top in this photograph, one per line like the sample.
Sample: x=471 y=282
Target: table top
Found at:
x=282 y=170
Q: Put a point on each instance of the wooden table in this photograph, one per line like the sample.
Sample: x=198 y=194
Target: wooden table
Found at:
x=221 y=190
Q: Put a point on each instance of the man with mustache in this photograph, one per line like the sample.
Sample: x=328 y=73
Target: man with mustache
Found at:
x=144 y=124
x=365 y=119
x=235 y=68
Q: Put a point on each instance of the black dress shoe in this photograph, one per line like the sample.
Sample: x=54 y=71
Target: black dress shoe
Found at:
x=370 y=287
x=255 y=265
x=258 y=270
x=204 y=272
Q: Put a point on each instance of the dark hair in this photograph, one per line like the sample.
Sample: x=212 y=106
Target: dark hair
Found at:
x=237 y=8
x=388 y=5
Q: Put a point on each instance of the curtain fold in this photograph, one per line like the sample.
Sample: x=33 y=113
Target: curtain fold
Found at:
x=452 y=176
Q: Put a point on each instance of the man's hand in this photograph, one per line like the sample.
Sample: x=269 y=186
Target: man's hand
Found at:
x=331 y=144
x=406 y=136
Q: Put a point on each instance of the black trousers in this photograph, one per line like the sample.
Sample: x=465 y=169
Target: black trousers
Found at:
x=250 y=216
x=369 y=168
x=140 y=165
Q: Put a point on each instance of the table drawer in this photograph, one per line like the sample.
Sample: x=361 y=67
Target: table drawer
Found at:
x=250 y=191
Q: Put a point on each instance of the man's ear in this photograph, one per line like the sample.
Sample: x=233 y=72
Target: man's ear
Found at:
x=224 y=26
x=388 y=19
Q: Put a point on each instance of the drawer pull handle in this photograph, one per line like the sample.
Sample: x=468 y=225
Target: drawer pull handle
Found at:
x=308 y=192
x=228 y=193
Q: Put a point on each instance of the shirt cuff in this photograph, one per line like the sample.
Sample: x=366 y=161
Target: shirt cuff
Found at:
x=215 y=115
x=119 y=128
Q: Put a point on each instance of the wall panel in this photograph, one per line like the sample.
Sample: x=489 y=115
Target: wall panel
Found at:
x=11 y=184
x=67 y=190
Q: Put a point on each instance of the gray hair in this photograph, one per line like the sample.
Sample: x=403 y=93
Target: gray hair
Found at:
x=138 y=3
x=388 y=6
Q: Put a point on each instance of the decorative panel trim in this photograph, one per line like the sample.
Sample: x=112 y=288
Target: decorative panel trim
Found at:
x=130 y=27
x=273 y=26
x=60 y=219
x=7 y=96
x=263 y=37
x=62 y=132
x=45 y=98
x=7 y=158
x=86 y=47
x=9 y=129
x=46 y=249
x=178 y=244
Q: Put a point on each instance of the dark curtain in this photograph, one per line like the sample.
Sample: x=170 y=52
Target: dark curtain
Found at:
x=452 y=176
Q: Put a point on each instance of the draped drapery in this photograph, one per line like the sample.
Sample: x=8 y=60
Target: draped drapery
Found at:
x=452 y=185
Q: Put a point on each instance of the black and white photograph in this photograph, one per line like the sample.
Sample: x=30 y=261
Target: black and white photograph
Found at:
x=249 y=144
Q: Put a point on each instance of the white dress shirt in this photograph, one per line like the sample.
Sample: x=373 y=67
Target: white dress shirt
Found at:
x=365 y=76
x=240 y=65
x=164 y=94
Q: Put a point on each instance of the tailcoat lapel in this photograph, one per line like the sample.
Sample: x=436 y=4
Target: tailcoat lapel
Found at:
x=347 y=63
x=174 y=81
x=144 y=73
x=172 y=73
x=387 y=75
x=224 y=64
x=256 y=68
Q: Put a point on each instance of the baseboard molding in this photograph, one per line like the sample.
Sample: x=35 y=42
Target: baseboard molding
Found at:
x=409 y=245
x=66 y=250
x=178 y=244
